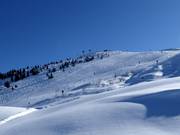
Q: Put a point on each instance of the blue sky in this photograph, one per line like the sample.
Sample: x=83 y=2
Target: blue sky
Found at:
x=38 y=31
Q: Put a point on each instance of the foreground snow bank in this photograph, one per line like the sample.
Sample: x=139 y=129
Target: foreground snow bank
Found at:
x=141 y=109
x=10 y=113
x=93 y=119
x=82 y=119
x=6 y=112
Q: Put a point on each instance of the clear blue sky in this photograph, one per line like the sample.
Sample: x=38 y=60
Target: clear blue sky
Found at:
x=38 y=31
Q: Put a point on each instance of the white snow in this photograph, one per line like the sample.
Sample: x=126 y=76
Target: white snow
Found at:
x=9 y=111
x=16 y=115
x=131 y=93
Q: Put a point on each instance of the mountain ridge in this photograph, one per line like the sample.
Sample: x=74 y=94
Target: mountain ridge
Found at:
x=121 y=92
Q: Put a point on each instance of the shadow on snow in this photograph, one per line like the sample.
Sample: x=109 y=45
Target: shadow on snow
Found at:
x=165 y=104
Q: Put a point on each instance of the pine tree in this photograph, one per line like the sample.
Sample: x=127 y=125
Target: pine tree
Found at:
x=34 y=71
x=49 y=75
x=7 y=84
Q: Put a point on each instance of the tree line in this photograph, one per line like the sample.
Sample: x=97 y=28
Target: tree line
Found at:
x=20 y=74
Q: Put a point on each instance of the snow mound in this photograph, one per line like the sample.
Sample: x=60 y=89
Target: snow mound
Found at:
x=129 y=93
x=5 y=112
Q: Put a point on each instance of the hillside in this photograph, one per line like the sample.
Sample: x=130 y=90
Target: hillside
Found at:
x=116 y=92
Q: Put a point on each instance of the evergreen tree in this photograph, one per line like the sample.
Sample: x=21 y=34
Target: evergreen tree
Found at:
x=54 y=70
x=34 y=70
x=49 y=75
x=7 y=84
x=1 y=76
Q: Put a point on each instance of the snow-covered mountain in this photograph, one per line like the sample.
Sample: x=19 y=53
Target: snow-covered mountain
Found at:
x=129 y=93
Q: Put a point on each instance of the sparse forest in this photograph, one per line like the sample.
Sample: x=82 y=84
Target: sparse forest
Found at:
x=15 y=75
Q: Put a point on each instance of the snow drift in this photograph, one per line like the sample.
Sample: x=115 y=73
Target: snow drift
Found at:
x=129 y=93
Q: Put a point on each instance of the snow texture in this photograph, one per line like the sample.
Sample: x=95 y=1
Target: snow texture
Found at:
x=128 y=93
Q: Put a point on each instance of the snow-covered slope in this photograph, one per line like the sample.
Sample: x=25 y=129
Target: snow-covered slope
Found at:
x=129 y=93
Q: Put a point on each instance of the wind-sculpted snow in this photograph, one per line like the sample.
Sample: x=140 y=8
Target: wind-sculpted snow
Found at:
x=162 y=104
x=17 y=115
x=99 y=98
x=6 y=112
x=167 y=68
